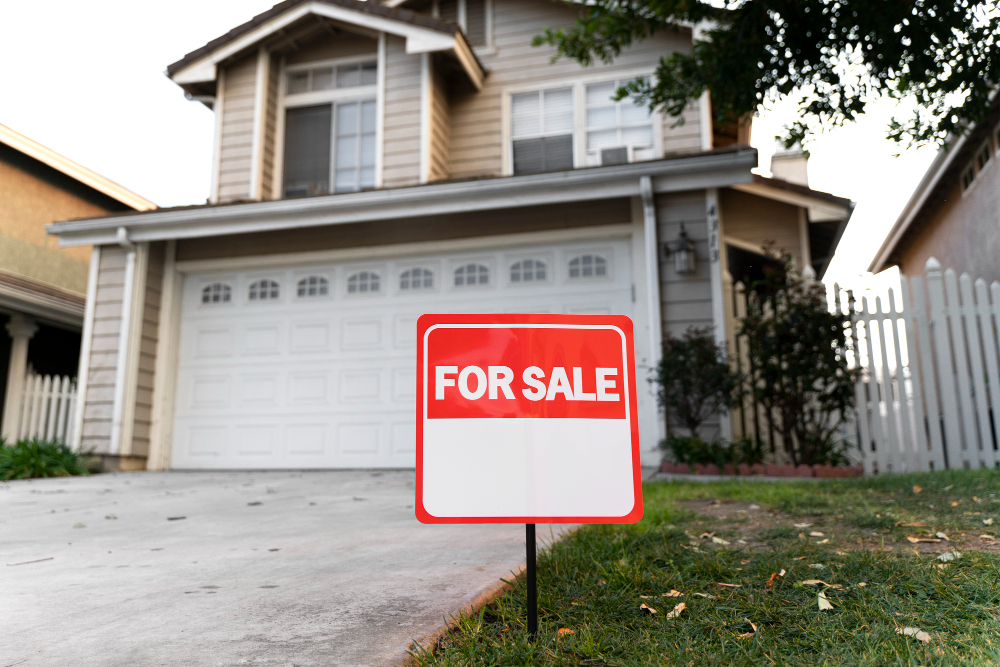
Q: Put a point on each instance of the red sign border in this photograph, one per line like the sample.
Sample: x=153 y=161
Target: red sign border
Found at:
x=621 y=322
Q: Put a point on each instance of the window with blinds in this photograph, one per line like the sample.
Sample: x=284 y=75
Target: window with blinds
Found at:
x=308 y=131
x=542 y=131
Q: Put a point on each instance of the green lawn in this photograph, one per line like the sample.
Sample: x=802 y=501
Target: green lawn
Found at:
x=695 y=536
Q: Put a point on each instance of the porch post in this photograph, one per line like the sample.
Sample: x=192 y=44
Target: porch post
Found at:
x=21 y=329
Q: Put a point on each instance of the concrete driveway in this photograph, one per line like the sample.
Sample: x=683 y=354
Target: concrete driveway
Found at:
x=240 y=568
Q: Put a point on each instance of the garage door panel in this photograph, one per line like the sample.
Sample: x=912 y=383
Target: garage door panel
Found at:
x=329 y=380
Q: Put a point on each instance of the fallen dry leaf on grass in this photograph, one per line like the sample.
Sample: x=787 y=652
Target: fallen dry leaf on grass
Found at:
x=942 y=536
x=949 y=487
x=912 y=524
x=862 y=584
x=823 y=542
x=752 y=632
x=774 y=577
x=916 y=633
x=719 y=540
x=673 y=594
x=950 y=555
x=815 y=533
x=719 y=583
x=646 y=608
x=819 y=582
x=914 y=539
x=562 y=632
x=801 y=525
x=917 y=489
x=823 y=603
x=954 y=503
x=676 y=611
x=704 y=595
x=987 y=522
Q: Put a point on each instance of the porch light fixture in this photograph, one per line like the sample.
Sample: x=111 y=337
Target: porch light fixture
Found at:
x=683 y=252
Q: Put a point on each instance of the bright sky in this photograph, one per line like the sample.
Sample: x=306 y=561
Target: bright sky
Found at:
x=86 y=79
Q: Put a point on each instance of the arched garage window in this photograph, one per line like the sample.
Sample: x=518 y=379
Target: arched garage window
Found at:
x=588 y=266
x=363 y=282
x=264 y=290
x=216 y=293
x=469 y=275
x=527 y=270
x=416 y=279
x=313 y=286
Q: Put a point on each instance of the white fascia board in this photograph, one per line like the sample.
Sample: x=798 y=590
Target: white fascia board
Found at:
x=820 y=210
x=424 y=40
x=915 y=204
x=696 y=172
x=41 y=307
x=77 y=172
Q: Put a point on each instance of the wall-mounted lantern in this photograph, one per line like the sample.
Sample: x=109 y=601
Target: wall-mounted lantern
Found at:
x=683 y=252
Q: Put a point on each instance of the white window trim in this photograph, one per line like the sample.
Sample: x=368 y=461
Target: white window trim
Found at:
x=286 y=101
x=578 y=84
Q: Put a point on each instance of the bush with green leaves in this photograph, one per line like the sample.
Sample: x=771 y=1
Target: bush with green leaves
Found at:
x=693 y=450
x=799 y=371
x=40 y=458
x=694 y=380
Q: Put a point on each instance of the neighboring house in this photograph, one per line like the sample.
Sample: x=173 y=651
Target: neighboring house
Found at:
x=954 y=213
x=42 y=287
x=374 y=162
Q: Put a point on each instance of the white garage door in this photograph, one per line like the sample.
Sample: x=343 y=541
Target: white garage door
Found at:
x=314 y=366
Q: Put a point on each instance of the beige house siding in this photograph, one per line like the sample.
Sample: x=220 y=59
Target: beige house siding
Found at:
x=236 y=144
x=99 y=399
x=476 y=141
x=326 y=47
x=269 y=160
x=440 y=128
x=388 y=232
x=960 y=229
x=757 y=221
x=401 y=151
x=686 y=300
x=147 y=350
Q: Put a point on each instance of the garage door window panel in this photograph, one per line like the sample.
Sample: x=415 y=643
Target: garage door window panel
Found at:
x=216 y=293
x=330 y=122
x=312 y=286
x=264 y=290
x=364 y=282
x=416 y=280
x=472 y=275
x=528 y=271
x=588 y=267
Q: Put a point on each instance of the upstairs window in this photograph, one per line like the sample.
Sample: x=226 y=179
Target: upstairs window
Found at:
x=527 y=270
x=473 y=16
x=416 y=279
x=588 y=266
x=542 y=131
x=264 y=290
x=216 y=293
x=617 y=132
x=330 y=129
x=983 y=156
x=364 y=282
x=469 y=275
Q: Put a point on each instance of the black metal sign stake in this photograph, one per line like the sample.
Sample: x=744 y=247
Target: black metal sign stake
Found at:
x=532 y=589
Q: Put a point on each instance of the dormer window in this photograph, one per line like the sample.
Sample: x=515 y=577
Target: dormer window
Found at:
x=330 y=119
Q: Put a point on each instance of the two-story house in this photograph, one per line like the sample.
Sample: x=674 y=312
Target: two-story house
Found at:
x=376 y=161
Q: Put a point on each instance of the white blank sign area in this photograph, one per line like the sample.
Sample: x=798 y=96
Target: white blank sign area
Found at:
x=527 y=467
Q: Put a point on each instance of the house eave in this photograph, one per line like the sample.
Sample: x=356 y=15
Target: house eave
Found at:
x=714 y=169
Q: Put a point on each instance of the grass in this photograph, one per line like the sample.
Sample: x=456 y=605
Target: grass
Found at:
x=40 y=458
x=593 y=582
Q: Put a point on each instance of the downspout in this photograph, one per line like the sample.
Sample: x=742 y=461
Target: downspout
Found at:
x=128 y=286
x=653 y=304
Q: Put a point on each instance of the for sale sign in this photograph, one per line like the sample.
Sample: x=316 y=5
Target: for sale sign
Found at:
x=527 y=419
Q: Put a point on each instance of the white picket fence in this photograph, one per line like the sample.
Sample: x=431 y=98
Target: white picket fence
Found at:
x=47 y=407
x=928 y=392
x=928 y=396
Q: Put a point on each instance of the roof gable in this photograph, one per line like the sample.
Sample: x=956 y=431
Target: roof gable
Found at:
x=423 y=34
